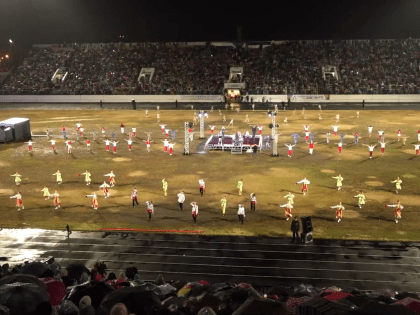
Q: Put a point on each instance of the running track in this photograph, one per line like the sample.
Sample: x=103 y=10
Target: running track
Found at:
x=262 y=262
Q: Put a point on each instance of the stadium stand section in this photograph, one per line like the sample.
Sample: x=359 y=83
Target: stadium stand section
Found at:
x=287 y=67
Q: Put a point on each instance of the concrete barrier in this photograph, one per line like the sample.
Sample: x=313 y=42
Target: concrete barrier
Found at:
x=383 y=98
x=109 y=98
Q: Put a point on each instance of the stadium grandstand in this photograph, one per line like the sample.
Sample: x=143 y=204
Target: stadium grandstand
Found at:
x=389 y=66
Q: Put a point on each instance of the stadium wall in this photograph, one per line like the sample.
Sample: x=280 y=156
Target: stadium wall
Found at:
x=384 y=98
x=108 y=98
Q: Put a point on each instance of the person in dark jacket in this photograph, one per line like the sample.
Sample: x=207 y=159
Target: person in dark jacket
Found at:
x=295 y=228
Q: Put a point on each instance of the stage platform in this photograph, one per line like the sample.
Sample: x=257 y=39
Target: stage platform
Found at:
x=228 y=142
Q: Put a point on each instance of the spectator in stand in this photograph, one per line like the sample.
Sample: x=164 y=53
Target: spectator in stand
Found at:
x=130 y=272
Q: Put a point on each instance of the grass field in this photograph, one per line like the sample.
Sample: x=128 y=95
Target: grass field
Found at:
x=270 y=178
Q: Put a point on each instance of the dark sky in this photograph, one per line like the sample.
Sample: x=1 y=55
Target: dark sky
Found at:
x=57 y=21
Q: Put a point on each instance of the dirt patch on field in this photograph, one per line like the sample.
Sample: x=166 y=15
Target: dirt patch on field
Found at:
x=371 y=176
x=328 y=171
x=7 y=191
x=408 y=151
x=350 y=214
x=286 y=172
x=119 y=159
x=137 y=173
x=408 y=176
x=374 y=183
x=3 y=164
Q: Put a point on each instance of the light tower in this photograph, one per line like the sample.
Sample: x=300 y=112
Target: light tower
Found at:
x=274 y=135
x=186 y=138
x=202 y=114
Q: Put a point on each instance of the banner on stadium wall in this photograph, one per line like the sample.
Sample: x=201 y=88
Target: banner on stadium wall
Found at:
x=201 y=98
x=302 y=98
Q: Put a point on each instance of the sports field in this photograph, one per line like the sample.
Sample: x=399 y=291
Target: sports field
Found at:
x=270 y=178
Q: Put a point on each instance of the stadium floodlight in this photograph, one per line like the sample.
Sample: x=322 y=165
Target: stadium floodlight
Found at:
x=10 y=41
x=7 y=56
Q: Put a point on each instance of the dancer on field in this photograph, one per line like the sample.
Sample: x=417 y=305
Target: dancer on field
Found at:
x=287 y=211
x=371 y=147
x=383 y=143
x=78 y=125
x=56 y=197
x=171 y=147
x=162 y=127
x=212 y=129
x=87 y=177
x=327 y=136
x=295 y=138
x=253 y=201
x=306 y=128
x=105 y=190
x=103 y=131
x=246 y=118
x=30 y=143
x=240 y=186
x=19 y=202
x=181 y=200
x=45 y=192
x=241 y=213
x=68 y=144
x=290 y=147
x=94 y=203
x=17 y=177
x=399 y=134
x=381 y=134
x=418 y=135
x=111 y=178
x=223 y=203
x=129 y=142
x=398 y=183
x=398 y=207
x=335 y=129
x=340 y=147
x=339 y=181
x=260 y=128
x=52 y=144
x=202 y=186
x=356 y=137
x=148 y=144
x=88 y=144
x=305 y=184
x=165 y=145
x=307 y=133
x=405 y=139
x=416 y=148
x=58 y=177
x=338 y=212
x=134 y=196
x=311 y=147
x=81 y=132
x=361 y=199
x=290 y=198
x=150 y=209
x=370 y=129
x=194 y=211
x=165 y=187
x=64 y=132
x=114 y=147
x=107 y=142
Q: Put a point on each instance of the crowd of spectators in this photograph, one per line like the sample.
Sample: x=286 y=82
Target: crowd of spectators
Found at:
x=292 y=67
x=44 y=288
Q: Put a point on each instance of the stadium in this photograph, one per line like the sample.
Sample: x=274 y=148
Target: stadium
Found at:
x=212 y=177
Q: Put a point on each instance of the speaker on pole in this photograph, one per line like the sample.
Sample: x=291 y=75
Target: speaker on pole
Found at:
x=307 y=230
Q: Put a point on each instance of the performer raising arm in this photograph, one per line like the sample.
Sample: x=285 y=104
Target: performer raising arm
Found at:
x=398 y=207
x=305 y=184
x=338 y=212
x=19 y=202
x=17 y=177
x=111 y=178
x=59 y=178
x=361 y=198
x=104 y=187
x=339 y=181
x=397 y=182
x=94 y=203
x=288 y=210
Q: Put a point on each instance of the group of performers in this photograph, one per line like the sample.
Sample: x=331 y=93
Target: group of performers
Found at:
x=201 y=183
x=168 y=148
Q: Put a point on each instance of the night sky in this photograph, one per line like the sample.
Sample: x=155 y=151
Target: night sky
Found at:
x=58 y=21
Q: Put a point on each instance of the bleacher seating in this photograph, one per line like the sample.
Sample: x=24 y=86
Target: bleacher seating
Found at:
x=291 y=67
